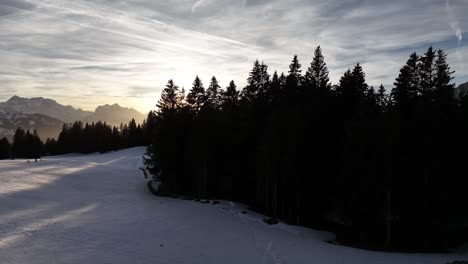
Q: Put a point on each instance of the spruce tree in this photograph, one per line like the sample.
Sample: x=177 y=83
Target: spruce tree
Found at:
x=196 y=97
x=149 y=128
x=230 y=96
x=352 y=91
x=169 y=98
x=263 y=80
x=213 y=94
x=371 y=96
x=406 y=89
x=18 y=143
x=181 y=98
x=382 y=98
x=443 y=89
x=345 y=81
x=359 y=78
x=294 y=73
x=316 y=76
x=282 y=79
x=293 y=81
x=427 y=74
x=257 y=82
x=275 y=88
x=36 y=145
x=5 y=148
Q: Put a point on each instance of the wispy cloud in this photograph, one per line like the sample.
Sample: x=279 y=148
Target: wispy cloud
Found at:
x=106 y=50
x=198 y=4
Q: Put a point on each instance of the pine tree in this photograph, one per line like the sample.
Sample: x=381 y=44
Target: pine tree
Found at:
x=353 y=84
x=149 y=128
x=406 y=89
x=295 y=68
x=359 y=78
x=257 y=82
x=316 y=76
x=353 y=91
x=443 y=89
x=181 y=98
x=35 y=145
x=371 y=96
x=169 y=98
x=18 y=143
x=427 y=74
x=345 y=81
x=230 y=97
x=213 y=94
x=282 y=79
x=5 y=148
x=133 y=134
x=294 y=73
x=275 y=88
x=293 y=81
x=263 y=80
x=382 y=98
x=196 y=97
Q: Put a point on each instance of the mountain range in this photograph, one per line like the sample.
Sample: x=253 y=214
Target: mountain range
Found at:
x=48 y=116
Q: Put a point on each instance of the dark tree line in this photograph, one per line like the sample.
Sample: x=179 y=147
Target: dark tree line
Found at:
x=25 y=145
x=381 y=170
x=98 y=137
x=78 y=138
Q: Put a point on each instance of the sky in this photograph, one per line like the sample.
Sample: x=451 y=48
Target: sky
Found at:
x=87 y=53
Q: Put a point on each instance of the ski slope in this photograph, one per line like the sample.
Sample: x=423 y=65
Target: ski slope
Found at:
x=97 y=209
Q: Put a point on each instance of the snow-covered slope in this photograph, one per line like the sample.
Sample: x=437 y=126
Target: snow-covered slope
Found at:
x=97 y=209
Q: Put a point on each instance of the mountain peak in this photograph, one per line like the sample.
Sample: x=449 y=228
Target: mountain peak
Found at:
x=45 y=106
x=114 y=107
x=115 y=114
x=14 y=98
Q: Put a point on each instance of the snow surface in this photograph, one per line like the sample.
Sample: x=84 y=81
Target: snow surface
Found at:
x=97 y=209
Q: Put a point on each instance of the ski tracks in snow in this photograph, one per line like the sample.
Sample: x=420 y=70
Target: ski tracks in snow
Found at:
x=264 y=246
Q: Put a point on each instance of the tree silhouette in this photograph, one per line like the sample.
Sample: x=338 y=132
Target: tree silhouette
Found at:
x=256 y=83
x=230 y=96
x=169 y=98
x=213 y=94
x=380 y=169
x=407 y=84
x=196 y=97
x=316 y=76
x=5 y=148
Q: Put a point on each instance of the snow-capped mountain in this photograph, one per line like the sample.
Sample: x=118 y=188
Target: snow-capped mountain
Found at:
x=48 y=116
x=46 y=126
x=115 y=115
x=44 y=106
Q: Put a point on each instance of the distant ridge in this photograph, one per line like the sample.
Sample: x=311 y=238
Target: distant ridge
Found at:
x=48 y=116
x=115 y=115
x=44 y=106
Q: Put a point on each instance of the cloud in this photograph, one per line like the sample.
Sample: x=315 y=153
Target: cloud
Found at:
x=108 y=50
x=198 y=4
x=100 y=68
x=454 y=22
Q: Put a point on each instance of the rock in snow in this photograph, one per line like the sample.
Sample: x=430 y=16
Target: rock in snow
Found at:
x=97 y=209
